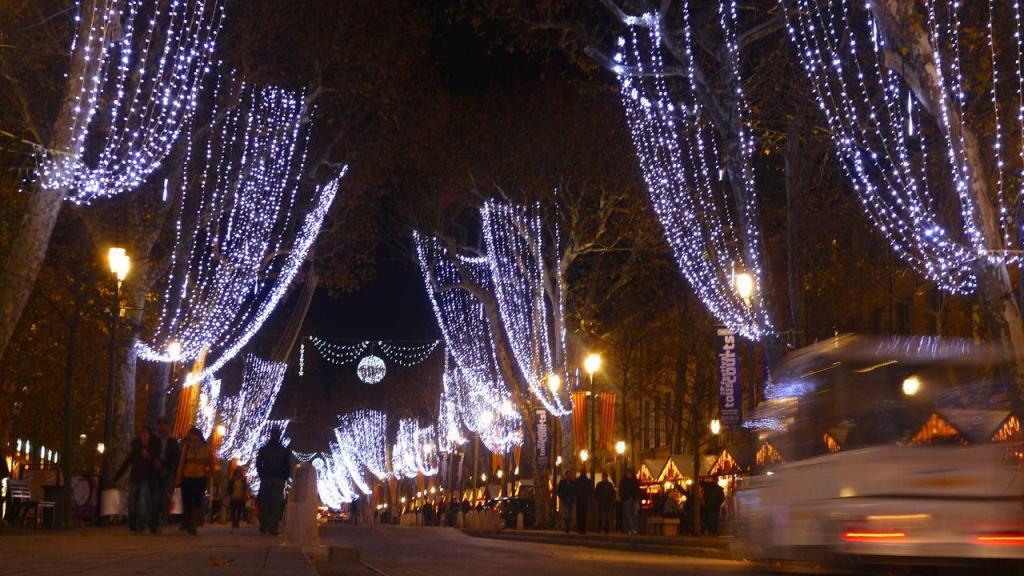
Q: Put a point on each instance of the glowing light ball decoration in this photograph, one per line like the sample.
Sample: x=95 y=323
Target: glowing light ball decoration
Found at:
x=371 y=369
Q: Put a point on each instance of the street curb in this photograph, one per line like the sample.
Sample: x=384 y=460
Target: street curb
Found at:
x=721 y=553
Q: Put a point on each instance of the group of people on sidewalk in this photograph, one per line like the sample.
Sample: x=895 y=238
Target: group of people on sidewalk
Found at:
x=157 y=466
x=575 y=496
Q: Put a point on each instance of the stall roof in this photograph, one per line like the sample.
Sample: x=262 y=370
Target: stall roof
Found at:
x=653 y=467
x=972 y=426
x=683 y=464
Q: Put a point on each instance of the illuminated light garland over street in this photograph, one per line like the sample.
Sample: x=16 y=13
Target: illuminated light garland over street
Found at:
x=362 y=433
x=515 y=252
x=473 y=384
x=144 y=64
x=246 y=415
x=881 y=131
x=415 y=451
x=678 y=150
x=371 y=368
x=235 y=258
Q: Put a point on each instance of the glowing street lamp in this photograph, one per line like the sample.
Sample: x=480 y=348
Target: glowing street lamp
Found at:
x=584 y=455
x=743 y=282
x=620 y=447
x=716 y=426
x=554 y=383
x=911 y=386
x=174 y=350
x=120 y=264
x=592 y=363
x=500 y=474
x=101 y=448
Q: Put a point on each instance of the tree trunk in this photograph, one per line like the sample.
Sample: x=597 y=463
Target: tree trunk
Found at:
x=157 y=408
x=67 y=445
x=27 y=250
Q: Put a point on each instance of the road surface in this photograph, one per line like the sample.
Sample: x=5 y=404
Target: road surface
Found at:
x=409 y=551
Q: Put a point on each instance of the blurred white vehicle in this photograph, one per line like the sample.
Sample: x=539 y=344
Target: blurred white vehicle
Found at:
x=899 y=448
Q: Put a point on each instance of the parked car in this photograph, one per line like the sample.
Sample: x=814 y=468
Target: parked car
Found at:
x=510 y=508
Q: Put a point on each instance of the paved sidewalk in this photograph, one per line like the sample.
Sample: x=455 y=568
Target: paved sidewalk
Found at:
x=115 y=551
x=722 y=547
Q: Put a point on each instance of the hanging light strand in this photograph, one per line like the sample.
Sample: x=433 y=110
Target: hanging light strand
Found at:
x=882 y=133
x=142 y=67
x=248 y=240
x=677 y=148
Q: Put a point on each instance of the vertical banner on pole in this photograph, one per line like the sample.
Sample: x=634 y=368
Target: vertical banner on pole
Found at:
x=730 y=391
x=579 y=420
x=607 y=420
x=543 y=440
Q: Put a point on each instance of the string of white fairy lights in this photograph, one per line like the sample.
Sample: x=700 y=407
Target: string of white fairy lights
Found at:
x=362 y=434
x=246 y=415
x=473 y=384
x=516 y=255
x=678 y=148
x=415 y=451
x=237 y=254
x=341 y=352
x=358 y=455
x=142 y=67
x=883 y=134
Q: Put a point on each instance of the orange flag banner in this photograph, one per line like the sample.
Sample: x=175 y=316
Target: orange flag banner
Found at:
x=579 y=420
x=188 y=399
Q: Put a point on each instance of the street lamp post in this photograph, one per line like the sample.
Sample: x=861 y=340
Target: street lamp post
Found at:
x=592 y=363
x=620 y=450
x=120 y=264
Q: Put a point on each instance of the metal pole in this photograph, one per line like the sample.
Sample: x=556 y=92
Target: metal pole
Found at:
x=108 y=428
x=593 y=419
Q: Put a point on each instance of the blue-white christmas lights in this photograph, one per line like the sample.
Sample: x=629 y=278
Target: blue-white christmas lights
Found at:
x=142 y=64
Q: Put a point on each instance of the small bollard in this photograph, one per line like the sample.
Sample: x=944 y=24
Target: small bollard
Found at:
x=301 y=528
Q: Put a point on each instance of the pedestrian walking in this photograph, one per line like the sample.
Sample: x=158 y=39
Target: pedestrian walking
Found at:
x=714 y=497
x=274 y=466
x=583 y=491
x=629 y=493
x=168 y=453
x=604 y=493
x=238 y=491
x=145 y=467
x=565 y=493
x=195 y=470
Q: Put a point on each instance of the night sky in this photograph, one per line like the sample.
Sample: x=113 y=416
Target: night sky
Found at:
x=394 y=305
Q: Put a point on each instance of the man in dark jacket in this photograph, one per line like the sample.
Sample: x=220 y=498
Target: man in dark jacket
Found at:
x=629 y=493
x=583 y=491
x=145 y=466
x=565 y=497
x=714 y=497
x=274 y=466
x=605 y=495
x=169 y=453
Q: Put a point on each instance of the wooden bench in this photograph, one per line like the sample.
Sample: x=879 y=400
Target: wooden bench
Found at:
x=662 y=526
x=21 y=499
